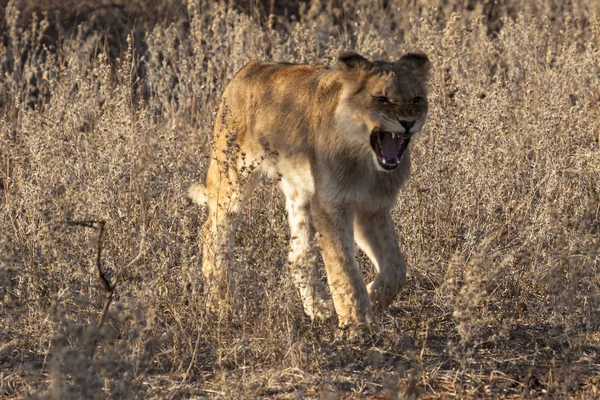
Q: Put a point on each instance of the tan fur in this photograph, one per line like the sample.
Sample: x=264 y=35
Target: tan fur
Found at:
x=312 y=126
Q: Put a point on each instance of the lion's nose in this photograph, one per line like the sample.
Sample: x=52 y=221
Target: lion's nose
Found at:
x=407 y=124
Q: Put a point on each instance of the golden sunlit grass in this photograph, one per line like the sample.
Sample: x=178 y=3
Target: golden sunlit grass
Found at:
x=106 y=114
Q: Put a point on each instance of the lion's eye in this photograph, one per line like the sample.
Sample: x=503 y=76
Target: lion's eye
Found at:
x=381 y=99
x=417 y=99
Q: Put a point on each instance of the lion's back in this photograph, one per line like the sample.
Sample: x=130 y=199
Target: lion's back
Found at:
x=270 y=105
x=272 y=84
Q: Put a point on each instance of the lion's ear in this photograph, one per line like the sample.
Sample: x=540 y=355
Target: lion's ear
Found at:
x=349 y=60
x=416 y=63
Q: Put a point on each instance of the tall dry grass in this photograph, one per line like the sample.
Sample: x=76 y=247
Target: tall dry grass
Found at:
x=106 y=115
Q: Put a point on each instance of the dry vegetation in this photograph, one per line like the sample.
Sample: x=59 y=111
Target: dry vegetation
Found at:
x=106 y=114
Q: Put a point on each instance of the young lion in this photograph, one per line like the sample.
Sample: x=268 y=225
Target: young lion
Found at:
x=339 y=140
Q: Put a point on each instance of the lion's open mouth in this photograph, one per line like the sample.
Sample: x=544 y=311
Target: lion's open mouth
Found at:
x=388 y=147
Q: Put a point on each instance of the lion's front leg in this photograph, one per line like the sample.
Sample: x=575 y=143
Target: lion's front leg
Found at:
x=302 y=256
x=374 y=233
x=348 y=290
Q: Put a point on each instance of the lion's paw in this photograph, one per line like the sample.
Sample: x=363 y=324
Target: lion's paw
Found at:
x=364 y=333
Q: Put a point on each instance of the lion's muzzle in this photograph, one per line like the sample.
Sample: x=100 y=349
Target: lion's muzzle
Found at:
x=389 y=147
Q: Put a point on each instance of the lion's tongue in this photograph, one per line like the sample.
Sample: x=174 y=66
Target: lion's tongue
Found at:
x=390 y=147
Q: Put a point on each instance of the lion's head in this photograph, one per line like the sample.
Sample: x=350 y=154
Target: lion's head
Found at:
x=387 y=102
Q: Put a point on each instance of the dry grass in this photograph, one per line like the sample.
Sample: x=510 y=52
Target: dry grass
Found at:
x=106 y=115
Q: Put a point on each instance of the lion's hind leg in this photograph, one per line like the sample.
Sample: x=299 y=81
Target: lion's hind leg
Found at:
x=227 y=189
x=302 y=255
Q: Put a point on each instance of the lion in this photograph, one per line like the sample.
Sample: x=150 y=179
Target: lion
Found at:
x=338 y=138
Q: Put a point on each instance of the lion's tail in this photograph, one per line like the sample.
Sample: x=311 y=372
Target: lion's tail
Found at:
x=197 y=193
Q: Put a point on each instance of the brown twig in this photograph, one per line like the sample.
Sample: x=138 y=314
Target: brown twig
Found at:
x=109 y=288
x=99 y=225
